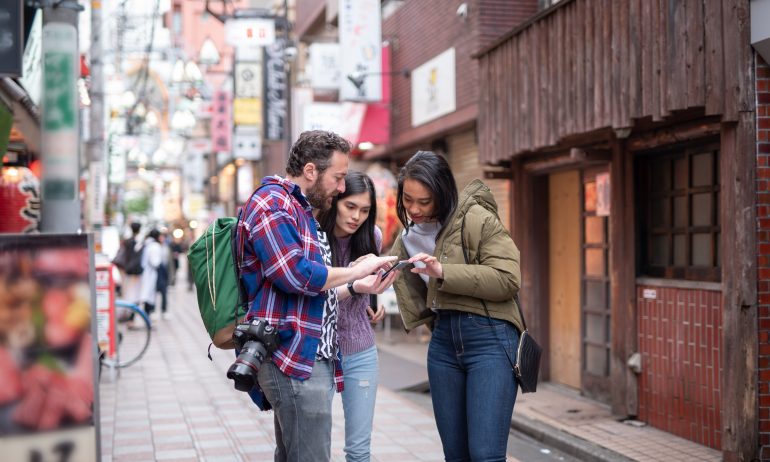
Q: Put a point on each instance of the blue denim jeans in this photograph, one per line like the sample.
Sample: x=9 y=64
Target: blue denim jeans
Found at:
x=302 y=411
x=472 y=385
x=361 y=372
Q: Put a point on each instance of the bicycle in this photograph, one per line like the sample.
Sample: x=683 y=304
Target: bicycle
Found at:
x=133 y=330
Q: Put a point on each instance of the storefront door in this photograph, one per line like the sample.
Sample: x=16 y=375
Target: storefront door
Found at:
x=595 y=284
x=564 y=254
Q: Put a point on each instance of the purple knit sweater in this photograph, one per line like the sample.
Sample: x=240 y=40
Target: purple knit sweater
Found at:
x=354 y=332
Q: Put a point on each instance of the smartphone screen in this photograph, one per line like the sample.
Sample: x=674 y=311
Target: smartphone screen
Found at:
x=398 y=266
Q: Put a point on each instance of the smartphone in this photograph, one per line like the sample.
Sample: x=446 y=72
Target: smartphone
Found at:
x=397 y=267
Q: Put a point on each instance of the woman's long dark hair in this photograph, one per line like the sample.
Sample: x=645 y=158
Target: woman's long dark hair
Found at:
x=432 y=170
x=362 y=242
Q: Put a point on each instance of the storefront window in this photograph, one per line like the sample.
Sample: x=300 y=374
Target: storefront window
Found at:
x=678 y=212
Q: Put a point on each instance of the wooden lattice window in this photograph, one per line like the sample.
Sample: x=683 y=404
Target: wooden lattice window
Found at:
x=678 y=205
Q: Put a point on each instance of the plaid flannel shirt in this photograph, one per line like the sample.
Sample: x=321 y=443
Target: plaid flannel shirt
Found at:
x=283 y=271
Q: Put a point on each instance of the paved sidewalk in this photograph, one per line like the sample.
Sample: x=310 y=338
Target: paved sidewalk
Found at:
x=176 y=405
x=575 y=425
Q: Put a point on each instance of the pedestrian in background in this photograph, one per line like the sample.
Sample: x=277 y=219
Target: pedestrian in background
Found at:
x=470 y=305
x=129 y=262
x=349 y=225
x=165 y=274
x=286 y=268
x=152 y=257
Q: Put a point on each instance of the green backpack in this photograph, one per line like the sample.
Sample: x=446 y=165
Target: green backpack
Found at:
x=213 y=261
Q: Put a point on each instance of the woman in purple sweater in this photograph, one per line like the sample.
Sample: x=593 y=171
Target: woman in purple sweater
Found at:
x=349 y=224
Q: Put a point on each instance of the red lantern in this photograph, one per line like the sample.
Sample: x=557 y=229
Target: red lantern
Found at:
x=19 y=200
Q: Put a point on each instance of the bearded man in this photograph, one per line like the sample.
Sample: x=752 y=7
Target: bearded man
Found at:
x=286 y=268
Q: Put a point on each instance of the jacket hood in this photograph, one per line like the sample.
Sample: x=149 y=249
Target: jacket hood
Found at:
x=476 y=193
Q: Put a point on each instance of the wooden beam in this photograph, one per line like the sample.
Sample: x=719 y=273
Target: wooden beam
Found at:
x=624 y=392
x=740 y=438
x=672 y=135
x=529 y=223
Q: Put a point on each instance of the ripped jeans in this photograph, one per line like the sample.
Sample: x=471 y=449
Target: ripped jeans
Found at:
x=361 y=372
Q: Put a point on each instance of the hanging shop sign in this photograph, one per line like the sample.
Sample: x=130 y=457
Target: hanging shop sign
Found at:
x=247 y=111
x=433 y=88
x=221 y=122
x=248 y=79
x=325 y=65
x=249 y=32
x=361 y=38
x=10 y=38
x=275 y=91
x=247 y=142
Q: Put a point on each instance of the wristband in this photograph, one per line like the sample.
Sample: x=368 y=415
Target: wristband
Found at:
x=352 y=291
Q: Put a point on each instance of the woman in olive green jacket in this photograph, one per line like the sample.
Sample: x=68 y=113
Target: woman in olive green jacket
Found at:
x=463 y=284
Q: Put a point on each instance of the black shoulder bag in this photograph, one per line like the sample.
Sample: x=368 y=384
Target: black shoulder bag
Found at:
x=527 y=365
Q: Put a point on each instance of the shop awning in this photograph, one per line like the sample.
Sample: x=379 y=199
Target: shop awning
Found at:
x=26 y=115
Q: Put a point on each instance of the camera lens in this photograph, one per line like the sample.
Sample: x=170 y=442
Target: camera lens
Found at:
x=244 y=370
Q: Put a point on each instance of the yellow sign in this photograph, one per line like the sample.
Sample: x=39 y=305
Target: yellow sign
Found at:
x=247 y=111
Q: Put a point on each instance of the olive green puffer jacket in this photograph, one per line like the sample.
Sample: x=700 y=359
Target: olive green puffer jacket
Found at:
x=492 y=275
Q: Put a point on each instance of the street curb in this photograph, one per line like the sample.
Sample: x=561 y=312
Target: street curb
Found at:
x=564 y=442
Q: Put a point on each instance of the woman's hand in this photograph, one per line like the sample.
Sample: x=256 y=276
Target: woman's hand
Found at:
x=432 y=266
x=375 y=316
x=374 y=283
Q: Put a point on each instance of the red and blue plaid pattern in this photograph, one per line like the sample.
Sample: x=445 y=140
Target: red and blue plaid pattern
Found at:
x=283 y=270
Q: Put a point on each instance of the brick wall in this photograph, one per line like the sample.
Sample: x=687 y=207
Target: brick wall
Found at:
x=680 y=342
x=763 y=251
x=420 y=30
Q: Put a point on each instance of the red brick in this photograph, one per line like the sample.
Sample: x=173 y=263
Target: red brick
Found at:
x=763 y=148
x=763 y=98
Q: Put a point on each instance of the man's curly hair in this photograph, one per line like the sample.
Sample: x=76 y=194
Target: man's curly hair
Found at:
x=316 y=147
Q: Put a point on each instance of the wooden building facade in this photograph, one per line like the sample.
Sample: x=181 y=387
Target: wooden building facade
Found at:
x=630 y=131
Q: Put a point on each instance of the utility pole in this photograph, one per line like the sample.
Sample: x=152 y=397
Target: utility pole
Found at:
x=96 y=154
x=60 y=131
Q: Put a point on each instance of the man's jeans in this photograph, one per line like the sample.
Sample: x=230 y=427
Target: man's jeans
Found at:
x=302 y=411
x=472 y=385
x=358 y=402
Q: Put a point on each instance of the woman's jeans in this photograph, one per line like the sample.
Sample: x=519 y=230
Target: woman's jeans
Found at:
x=361 y=372
x=472 y=385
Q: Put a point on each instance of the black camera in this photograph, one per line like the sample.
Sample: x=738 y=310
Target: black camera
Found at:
x=255 y=340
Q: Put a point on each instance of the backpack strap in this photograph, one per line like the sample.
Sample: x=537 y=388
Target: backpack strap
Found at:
x=238 y=249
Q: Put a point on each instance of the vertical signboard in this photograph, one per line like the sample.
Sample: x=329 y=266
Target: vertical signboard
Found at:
x=221 y=122
x=59 y=114
x=248 y=79
x=47 y=361
x=275 y=91
x=10 y=38
x=361 y=38
x=105 y=310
